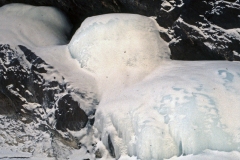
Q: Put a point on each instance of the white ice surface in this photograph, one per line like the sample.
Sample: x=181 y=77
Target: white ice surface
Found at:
x=123 y=43
x=180 y=108
x=151 y=107
x=210 y=155
x=60 y=58
x=32 y=26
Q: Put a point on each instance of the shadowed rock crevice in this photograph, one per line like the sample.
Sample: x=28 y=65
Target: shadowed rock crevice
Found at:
x=69 y=115
x=25 y=90
x=6 y=105
x=111 y=147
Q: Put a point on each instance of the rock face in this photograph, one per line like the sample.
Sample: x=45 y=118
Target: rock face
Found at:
x=39 y=112
x=207 y=30
x=69 y=115
x=6 y=105
x=37 y=109
x=196 y=30
x=26 y=91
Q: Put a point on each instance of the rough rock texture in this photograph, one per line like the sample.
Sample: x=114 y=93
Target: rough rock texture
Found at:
x=69 y=115
x=196 y=30
x=37 y=110
x=207 y=30
x=28 y=88
x=6 y=105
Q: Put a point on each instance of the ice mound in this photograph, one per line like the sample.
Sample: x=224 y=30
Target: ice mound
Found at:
x=33 y=26
x=181 y=108
x=118 y=41
x=151 y=107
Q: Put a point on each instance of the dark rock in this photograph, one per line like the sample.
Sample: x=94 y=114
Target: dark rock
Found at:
x=199 y=34
x=92 y=120
x=224 y=14
x=10 y=79
x=6 y=106
x=189 y=45
x=165 y=36
x=91 y=116
x=98 y=154
x=69 y=115
x=111 y=147
x=23 y=85
x=30 y=93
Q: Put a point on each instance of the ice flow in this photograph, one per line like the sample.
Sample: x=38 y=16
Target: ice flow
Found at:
x=152 y=107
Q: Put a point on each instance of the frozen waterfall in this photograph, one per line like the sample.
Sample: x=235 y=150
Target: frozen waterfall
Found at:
x=151 y=107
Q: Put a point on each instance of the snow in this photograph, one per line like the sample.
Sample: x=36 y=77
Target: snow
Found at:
x=5 y=154
x=60 y=58
x=23 y=140
x=31 y=106
x=210 y=155
x=236 y=53
x=166 y=4
x=68 y=70
x=33 y=26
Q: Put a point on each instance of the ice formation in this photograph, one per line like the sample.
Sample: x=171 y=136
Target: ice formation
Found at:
x=181 y=108
x=123 y=43
x=150 y=107
x=33 y=26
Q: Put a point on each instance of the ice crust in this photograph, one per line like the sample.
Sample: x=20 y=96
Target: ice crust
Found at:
x=151 y=107
x=33 y=26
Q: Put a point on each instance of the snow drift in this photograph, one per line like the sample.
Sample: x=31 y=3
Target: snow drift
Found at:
x=33 y=26
x=150 y=107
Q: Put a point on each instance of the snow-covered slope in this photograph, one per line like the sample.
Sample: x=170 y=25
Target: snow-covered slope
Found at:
x=33 y=26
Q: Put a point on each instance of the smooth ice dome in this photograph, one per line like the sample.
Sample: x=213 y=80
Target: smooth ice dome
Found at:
x=118 y=41
x=33 y=26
